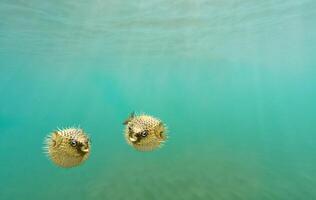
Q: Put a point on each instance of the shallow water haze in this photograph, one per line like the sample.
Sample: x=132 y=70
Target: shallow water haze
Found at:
x=234 y=81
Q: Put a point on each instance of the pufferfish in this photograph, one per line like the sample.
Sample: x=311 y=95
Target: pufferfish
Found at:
x=68 y=147
x=144 y=132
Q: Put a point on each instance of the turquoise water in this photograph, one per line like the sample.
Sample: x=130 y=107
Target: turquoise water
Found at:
x=233 y=80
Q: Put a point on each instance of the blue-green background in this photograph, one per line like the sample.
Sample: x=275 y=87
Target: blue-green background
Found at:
x=234 y=80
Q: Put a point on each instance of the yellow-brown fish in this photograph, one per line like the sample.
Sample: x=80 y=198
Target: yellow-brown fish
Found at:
x=68 y=147
x=144 y=132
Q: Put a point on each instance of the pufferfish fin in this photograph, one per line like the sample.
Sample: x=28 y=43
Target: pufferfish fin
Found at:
x=56 y=139
x=160 y=133
x=132 y=115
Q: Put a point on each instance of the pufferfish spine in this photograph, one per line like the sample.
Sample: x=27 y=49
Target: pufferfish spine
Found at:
x=68 y=147
x=145 y=132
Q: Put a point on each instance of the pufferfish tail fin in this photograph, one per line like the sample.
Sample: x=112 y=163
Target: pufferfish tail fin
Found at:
x=131 y=116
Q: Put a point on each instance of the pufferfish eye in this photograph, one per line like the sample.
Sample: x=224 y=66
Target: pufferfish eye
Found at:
x=144 y=133
x=73 y=143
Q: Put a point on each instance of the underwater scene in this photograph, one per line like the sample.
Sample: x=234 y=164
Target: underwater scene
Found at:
x=158 y=100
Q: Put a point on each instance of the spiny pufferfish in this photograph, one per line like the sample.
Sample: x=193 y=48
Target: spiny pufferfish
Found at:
x=144 y=132
x=68 y=147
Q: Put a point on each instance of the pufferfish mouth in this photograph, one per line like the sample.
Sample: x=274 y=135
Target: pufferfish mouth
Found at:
x=133 y=138
x=85 y=149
